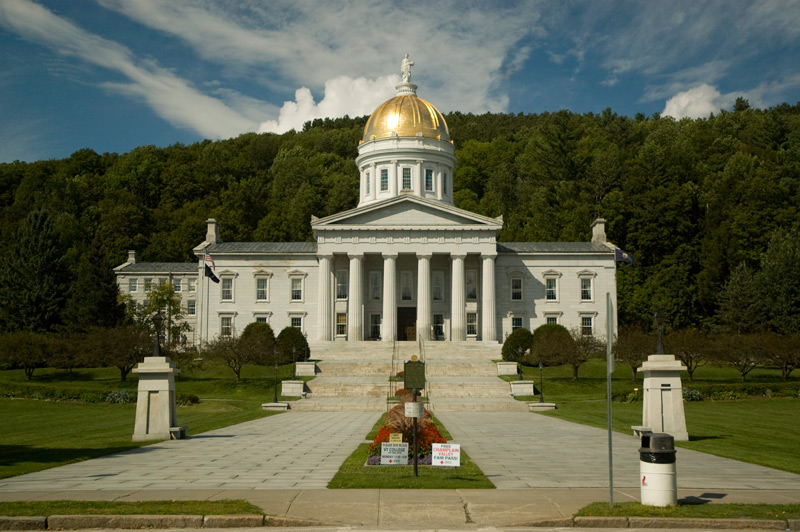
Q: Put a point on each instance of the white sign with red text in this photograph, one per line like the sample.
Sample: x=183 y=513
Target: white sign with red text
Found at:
x=446 y=454
x=394 y=453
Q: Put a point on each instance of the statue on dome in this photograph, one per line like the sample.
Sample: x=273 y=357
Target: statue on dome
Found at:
x=406 y=69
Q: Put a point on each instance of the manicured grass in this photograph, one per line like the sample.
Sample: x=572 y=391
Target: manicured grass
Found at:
x=762 y=431
x=45 y=508
x=712 y=511
x=355 y=475
x=38 y=435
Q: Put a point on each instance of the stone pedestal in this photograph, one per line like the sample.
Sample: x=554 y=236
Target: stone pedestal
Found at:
x=305 y=369
x=522 y=388
x=541 y=407
x=663 y=396
x=292 y=388
x=506 y=368
x=156 y=417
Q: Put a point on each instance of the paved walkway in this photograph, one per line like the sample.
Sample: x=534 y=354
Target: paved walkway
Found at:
x=523 y=450
x=300 y=450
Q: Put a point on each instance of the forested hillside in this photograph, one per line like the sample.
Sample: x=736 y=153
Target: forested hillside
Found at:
x=690 y=200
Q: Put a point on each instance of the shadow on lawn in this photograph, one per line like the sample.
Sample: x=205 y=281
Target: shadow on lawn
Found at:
x=14 y=454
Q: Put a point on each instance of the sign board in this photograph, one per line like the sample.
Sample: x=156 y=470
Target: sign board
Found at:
x=446 y=454
x=414 y=375
x=395 y=437
x=413 y=409
x=394 y=453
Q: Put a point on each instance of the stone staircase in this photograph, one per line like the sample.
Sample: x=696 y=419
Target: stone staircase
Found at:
x=460 y=376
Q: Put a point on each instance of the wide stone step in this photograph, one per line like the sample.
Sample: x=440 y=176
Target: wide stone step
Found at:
x=353 y=368
x=460 y=369
x=477 y=405
x=342 y=404
x=349 y=387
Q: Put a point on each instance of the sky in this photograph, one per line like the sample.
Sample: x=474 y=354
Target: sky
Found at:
x=111 y=75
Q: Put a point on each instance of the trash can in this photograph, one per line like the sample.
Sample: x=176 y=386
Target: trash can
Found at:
x=657 y=470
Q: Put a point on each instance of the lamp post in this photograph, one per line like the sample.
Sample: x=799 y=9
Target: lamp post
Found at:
x=294 y=375
x=541 y=383
x=158 y=321
x=660 y=317
x=276 y=382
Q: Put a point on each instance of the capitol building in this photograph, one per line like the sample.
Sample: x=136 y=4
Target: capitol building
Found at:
x=406 y=263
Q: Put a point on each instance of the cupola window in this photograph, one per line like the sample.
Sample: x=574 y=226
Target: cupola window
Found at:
x=406 y=178
x=384 y=180
x=429 y=180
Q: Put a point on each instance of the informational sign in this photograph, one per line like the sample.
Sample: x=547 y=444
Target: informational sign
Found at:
x=394 y=453
x=446 y=454
x=414 y=375
x=413 y=409
x=395 y=437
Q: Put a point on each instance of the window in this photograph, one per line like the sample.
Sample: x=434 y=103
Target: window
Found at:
x=551 y=289
x=297 y=290
x=384 y=180
x=262 y=288
x=471 y=277
x=472 y=324
x=133 y=285
x=177 y=285
x=406 y=286
x=516 y=323
x=226 y=326
x=375 y=286
x=341 y=324
x=516 y=288
x=438 y=285
x=406 y=178
x=586 y=288
x=550 y=320
x=429 y=180
x=191 y=307
x=341 y=284
x=438 y=326
x=297 y=322
x=261 y=319
x=586 y=326
x=375 y=326
x=192 y=285
x=148 y=285
x=367 y=182
x=227 y=288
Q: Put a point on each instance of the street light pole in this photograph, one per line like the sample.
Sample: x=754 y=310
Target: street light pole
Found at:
x=541 y=383
x=294 y=375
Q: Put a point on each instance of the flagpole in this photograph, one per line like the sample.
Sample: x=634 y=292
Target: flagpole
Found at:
x=205 y=252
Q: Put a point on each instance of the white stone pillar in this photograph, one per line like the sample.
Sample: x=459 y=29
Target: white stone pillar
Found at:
x=376 y=181
x=438 y=182
x=424 y=296
x=418 y=183
x=389 y=319
x=488 y=312
x=324 y=298
x=355 y=306
x=458 y=301
x=393 y=179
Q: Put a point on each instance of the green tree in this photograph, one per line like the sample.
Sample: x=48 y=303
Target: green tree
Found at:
x=690 y=346
x=291 y=344
x=741 y=305
x=258 y=343
x=743 y=352
x=552 y=345
x=778 y=281
x=34 y=279
x=24 y=349
x=229 y=350
x=517 y=345
x=586 y=347
x=633 y=346
x=122 y=347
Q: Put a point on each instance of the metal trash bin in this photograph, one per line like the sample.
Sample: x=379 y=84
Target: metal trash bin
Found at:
x=657 y=470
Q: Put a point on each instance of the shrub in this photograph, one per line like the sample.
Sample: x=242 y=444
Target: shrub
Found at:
x=692 y=395
x=552 y=345
x=516 y=345
x=186 y=399
x=397 y=422
x=120 y=397
x=289 y=339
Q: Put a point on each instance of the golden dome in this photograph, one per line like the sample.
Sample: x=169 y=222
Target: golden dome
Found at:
x=406 y=115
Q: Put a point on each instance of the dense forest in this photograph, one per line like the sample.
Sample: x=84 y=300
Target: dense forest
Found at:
x=708 y=208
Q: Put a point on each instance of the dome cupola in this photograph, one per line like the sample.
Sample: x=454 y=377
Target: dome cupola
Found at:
x=406 y=148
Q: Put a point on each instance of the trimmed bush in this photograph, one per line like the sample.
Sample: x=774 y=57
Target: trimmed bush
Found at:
x=517 y=345
x=120 y=397
x=551 y=344
x=288 y=339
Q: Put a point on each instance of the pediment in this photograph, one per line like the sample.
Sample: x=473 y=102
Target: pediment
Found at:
x=407 y=212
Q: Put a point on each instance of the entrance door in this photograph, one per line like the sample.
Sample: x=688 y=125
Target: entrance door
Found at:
x=406 y=323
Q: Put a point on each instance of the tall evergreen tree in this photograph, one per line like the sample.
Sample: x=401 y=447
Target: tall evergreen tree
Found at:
x=34 y=279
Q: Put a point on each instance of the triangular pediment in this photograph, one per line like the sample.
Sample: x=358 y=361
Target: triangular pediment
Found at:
x=407 y=212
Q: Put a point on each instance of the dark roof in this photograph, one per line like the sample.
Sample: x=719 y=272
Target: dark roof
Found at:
x=263 y=247
x=160 y=267
x=553 y=247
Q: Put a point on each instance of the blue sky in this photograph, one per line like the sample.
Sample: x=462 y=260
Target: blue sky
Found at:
x=111 y=75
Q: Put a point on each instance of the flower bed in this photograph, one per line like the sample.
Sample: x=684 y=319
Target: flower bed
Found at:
x=397 y=422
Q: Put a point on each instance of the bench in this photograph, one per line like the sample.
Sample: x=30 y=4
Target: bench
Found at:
x=177 y=433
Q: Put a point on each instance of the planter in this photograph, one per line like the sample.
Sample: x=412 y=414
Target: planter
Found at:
x=305 y=369
x=522 y=388
x=506 y=368
x=293 y=388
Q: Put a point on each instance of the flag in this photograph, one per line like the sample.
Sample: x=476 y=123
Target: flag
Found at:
x=622 y=256
x=208 y=258
x=210 y=274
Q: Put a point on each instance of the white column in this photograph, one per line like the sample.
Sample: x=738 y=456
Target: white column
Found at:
x=439 y=182
x=418 y=184
x=324 y=298
x=424 y=296
x=375 y=181
x=389 y=319
x=458 y=301
x=393 y=179
x=488 y=313
x=355 y=307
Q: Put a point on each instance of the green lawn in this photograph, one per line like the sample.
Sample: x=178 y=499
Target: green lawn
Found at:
x=41 y=434
x=710 y=511
x=46 y=508
x=760 y=430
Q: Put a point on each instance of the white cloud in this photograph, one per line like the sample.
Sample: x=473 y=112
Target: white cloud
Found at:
x=343 y=96
x=698 y=102
x=169 y=96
